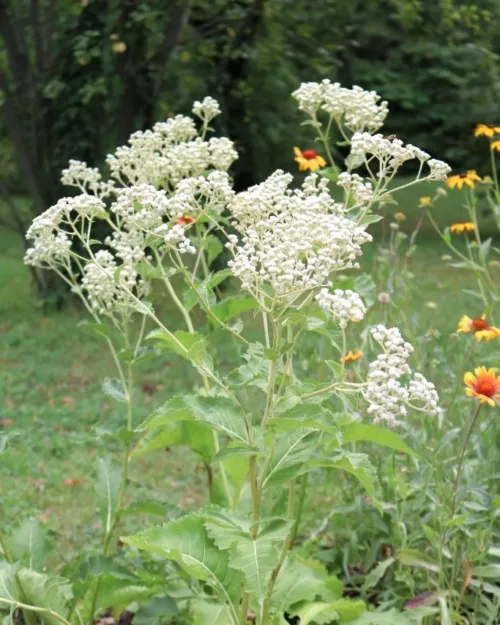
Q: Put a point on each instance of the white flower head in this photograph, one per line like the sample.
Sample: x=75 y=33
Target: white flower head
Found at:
x=207 y=109
x=343 y=305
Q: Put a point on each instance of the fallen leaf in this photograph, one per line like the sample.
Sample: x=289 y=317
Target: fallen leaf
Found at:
x=71 y=481
x=68 y=401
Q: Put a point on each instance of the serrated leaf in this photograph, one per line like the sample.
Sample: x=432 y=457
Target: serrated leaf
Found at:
x=107 y=488
x=306 y=416
x=173 y=410
x=375 y=434
x=232 y=451
x=256 y=559
x=291 y=452
x=186 y=542
x=225 y=527
x=300 y=580
x=220 y=413
x=27 y=545
x=198 y=436
x=119 y=593
x=357 y=464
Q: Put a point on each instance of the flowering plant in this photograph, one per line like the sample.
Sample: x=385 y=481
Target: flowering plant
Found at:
x=265 y=426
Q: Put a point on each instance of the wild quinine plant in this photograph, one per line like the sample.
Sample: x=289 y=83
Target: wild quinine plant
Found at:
x=264 y=426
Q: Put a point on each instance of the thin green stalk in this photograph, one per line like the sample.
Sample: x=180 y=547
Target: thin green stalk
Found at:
x=300 y=508
x=31 y=608
x=460 y=464
x=266 y=607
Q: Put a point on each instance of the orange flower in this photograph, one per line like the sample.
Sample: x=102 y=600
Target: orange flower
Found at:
x=467 y=178
x=185 y=220
x=351 y=356
x=399 y=216
x=483 y=384
x=495 y=145
x=462 y=226
x=486 y=130
x=308 y=159
x=479 y=326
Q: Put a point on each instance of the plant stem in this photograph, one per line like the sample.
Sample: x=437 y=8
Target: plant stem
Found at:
x=460 y=464
x=31 y=608
x=300 y=508
x=266 y=607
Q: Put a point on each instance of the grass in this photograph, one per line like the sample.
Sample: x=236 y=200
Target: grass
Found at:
x=52 y=405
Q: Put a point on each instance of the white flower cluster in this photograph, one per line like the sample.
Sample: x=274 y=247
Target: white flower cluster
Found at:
x=439 y=169
x=207 y=109
x=392 y=153
x=291 y=239
x=359 y=190
x=387 y=397
x=344 y=305
x=213 y=193
x=87 y=179
x=51 y=244
x=358 y=109
x=169 y=152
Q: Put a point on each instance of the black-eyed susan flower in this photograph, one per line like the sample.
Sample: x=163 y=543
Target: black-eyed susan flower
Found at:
x=308 y=159
x=399 y=216
x=425 y=201
x=486 y=130
x=458 y=180
x=351 y=356
x=462 y=226
x=495 y=145
x=480 y=326
x=483 y=384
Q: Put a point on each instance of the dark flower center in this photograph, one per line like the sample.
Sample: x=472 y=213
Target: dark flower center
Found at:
x=309 y=154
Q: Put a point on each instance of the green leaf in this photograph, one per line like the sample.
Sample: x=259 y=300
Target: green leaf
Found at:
x=220 y=413
x=390 y=617
x=318 y=612
x=366 y=287
x=115 y=389
x=189 y=345
x=98 y=329
x=152 y=612
x=173 y=410
x=491 y=571
x=214 y=247
x=107 y=488
x=225 y=527
x=301 y=580
x=233 y=450
x=27 y=545
x=118 y=593
x=233 y=306
x=46 y=592
x=256 y=558
x=208 y=613
x=186 y=542
x=357 y=464
x=374 y=576
x=411 y=557
x=197 y=436
x=375 y=434
x=306 y=416
x=291 y=452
